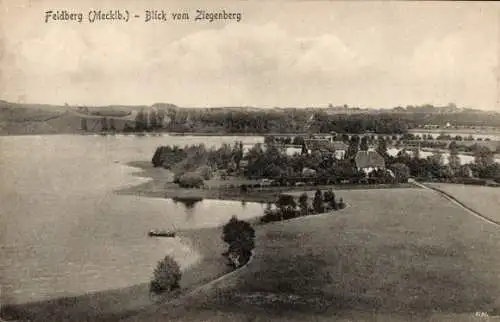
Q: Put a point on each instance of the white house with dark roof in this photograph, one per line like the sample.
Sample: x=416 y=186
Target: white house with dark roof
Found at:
x=368 y=161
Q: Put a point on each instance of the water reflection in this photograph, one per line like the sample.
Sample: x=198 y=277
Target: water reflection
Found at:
x=188 y=202
x=80 y=197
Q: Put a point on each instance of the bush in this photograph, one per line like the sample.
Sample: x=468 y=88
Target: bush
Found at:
x=177 y=176
x=289 y=213
x=205 y=172
x=166 y=276
x=341 y=204
x=328 y=196
x=304 y=203
x=285 y=200
x=158 y=157
x=270 y=216
x=190 y=180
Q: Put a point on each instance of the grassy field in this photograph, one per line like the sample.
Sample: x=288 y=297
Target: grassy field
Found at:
x=485 y=200
x=393 y=255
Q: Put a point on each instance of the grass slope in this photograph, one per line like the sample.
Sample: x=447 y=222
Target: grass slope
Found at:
x=485 y=200
x=392 y=256
x=17 y=119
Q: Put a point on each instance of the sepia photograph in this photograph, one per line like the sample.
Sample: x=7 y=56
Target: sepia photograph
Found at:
x=216 y=160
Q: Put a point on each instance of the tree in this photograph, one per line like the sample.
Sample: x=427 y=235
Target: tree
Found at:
x=382 y=148
x=112 y=125
x=492 y=171
x=446 y=172
x=237 y=229
x=84 y=124
x=364 y=144
x=401 y=172
x=285 y=201
x=328 y=195
x=416 y=153
x=240 y=236
x=353 y=148
x=465 y=171
x=104 y=125
x=237 y=153
x=304 y=204
x=140 y=121
x=318 y=202
x=437 y=157
x=342 y=204
x=166 y=276
x=153 y=120
x=298 y=140
x=329 y=198
x=205 y=172
x=304 y=150
x=483 y=157
x=158 y=157
x=454 y=159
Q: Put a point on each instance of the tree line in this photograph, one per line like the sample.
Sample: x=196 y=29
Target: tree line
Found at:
x=293 y=120
x=323 y=167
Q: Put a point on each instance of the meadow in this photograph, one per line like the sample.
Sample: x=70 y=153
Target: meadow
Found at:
x=484 y=200
x=392 y=255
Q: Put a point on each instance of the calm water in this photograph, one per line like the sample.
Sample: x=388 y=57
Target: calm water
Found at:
x=63 y=230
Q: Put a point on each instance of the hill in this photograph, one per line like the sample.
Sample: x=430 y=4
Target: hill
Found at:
x=16 y=119
x=398 y=255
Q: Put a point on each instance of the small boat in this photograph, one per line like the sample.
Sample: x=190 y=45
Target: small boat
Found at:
x=161 y=233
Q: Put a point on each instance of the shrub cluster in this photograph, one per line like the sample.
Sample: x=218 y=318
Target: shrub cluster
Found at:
x=240 y=237
x=190 y=180
x=166 y=276
x=168 y=156
x=288 y=208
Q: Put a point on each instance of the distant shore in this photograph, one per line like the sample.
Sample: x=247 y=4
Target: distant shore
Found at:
x=225 y=133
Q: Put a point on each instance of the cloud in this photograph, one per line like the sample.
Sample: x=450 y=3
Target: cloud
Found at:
x=243 y=49
x=252 y=64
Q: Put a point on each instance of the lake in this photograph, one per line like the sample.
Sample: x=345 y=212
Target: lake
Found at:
x=64 y=230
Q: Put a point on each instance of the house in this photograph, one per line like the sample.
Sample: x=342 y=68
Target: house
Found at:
x=368 y=161
x=327 y=147
x=306 y=172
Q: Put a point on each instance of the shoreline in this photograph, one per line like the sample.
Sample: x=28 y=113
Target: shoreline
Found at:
x=115 y=304
x=161 y=186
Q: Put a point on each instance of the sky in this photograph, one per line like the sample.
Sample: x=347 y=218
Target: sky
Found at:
x=281 y=53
